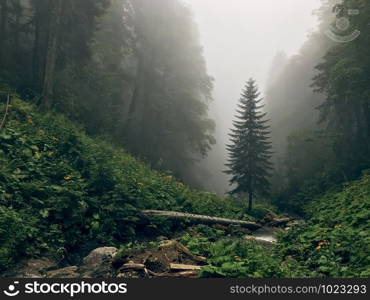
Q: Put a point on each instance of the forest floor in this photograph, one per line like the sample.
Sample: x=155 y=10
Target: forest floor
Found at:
x=157 y=257
x=171 y=258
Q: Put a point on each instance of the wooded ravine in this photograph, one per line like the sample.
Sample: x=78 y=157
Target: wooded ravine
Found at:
x=110 y=147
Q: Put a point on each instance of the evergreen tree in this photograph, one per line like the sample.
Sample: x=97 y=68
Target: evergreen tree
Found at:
x=168 y=121
x=344 y=79
x=250 y=148
x=132 y=70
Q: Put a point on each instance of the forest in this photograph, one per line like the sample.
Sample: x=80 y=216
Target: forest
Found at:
x=111 y=153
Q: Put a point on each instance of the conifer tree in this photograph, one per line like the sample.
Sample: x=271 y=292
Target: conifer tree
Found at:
x=250 y=149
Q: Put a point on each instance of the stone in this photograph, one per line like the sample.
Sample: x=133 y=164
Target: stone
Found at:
x=98 y=264
x=33 y=268
x=67 y=272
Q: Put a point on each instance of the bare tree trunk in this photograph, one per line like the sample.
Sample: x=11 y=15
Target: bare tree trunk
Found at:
x=51 y=57
x=366 y=114
x=250 y=187
x=42 y=22
x=3 y=28
x=136 y=96
x=36 y=51
x=250 y=200
x=139 y=101
x=17 y=7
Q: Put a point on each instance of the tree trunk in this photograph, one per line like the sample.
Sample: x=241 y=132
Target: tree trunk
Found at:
x=3 y=28
x=51 y=57
x=250 y=200
x=139 y=101
x=200 y=218
x=17 y=25
x=36 y=51
x=250 y=187
x=42 y=22
x=366 y=114
x=137 y=86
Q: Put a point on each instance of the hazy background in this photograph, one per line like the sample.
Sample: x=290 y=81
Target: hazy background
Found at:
x=253 y=32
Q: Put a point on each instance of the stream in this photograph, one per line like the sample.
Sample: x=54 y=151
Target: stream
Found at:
x=265 y=235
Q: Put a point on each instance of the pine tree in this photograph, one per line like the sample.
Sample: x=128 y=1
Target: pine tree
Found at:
x=250 y=148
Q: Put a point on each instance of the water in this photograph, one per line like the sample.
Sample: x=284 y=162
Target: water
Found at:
x=265 y=235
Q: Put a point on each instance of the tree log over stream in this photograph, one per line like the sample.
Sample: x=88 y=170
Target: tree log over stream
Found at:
x=200 y=218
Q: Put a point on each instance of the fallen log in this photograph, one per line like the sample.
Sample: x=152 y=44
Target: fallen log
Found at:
x=181 y=267
x=201 y=218
x=183 y=274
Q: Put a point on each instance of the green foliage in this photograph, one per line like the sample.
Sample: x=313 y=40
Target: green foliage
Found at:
x=16 y=228
x=229 y=258
x=250 y=150
x=80 y=190
x=261 y=209
x=335 y=242
x=112 y=69
x=237 y=257
x=344 y=78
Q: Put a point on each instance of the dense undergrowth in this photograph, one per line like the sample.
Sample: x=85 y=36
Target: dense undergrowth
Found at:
x=61 y=190
x=333 y=242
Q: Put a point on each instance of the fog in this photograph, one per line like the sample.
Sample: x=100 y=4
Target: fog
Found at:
x=240 y=40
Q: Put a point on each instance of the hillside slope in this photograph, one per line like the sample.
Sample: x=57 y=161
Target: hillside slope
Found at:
x=61 y=190
x=63 y=193
x=335 y=241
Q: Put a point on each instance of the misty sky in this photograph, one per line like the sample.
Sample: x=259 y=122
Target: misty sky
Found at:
x=240 y=39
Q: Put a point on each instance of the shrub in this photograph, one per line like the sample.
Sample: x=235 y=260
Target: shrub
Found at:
x=15 y=230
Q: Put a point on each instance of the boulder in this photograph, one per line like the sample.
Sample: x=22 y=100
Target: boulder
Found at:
x=98 y=264
x=33 y=268
x=68 y=272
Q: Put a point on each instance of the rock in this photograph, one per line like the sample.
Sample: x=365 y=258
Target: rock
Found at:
x=33 y=268
x=132 y=275
x=173 y=245
x=99 y=255
x=68 y=272
x=98 y=264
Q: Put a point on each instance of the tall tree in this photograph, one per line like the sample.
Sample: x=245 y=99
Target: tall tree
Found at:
x=344 y=78
x=167 y=116
x=51 y=54
x=3 y=28
x=250 y=149
x=63 y=31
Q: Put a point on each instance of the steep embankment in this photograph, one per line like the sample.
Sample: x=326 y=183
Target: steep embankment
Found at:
x=62 y=191
x=335 y=241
